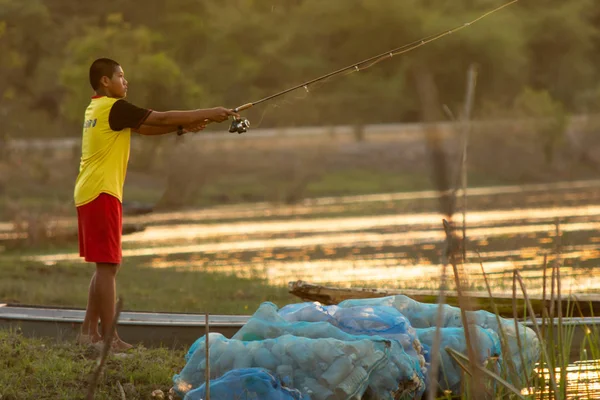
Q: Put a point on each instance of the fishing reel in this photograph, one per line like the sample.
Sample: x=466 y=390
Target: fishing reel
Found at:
x=239 y=125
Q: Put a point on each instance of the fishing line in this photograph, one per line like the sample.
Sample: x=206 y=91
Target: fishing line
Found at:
x=241 y=125
x=284 y=102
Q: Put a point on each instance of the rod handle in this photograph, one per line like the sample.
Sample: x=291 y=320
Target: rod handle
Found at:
x=243 y=107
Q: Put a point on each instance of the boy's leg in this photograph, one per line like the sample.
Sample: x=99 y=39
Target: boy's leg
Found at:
x=89 y=328
x=100 y=229
x=106 y=293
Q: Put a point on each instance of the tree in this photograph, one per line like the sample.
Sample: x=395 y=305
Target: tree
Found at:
x=199 y=53
x=560 y=43
x=549 y=118
x=155 y=80
x=28 y=78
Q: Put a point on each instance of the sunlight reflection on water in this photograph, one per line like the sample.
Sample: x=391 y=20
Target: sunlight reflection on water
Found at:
x=433 y=221
x=583 y=379
x=393 y=251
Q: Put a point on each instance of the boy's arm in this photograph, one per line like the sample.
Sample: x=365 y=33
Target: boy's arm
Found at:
x=150 y=130
x=125 y=115
x=217 y=114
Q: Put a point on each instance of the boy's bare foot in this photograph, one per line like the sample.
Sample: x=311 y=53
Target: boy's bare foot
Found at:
x=120 y=346
x=117 y=346
x=88 y=339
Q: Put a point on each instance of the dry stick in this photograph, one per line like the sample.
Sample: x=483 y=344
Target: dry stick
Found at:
x=471 y=83
x=450 y=250
x=512 y=369
x=545 y=313
x=517 y=277
x=428 y=95
x=546 y=317
x=544 y=291
x=429 y=101
x=435 y=348
x=121 y=391
x=476 y=388
x=460 y=361
x=105 y=350
x=550 y=331
x=552 y=284
x=551 y=363
x=458 y=356
x=206 y=344
x=433 y=370
x=562 y=356
x=516 y=318
x=587 y=328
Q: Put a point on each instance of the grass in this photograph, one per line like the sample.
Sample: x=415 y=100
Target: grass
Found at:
x=32 y=368
x=557 y=341
x=145 y=289
x=45 y=369
x=361 y=181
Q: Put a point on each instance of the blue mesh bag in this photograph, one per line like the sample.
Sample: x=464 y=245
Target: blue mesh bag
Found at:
x=381 y=321
x=246 y=384
x=323 y=369
x=450 y=373
x=423 y=315
x=403 y=375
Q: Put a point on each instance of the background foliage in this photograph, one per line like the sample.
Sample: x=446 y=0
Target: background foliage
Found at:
x=192 y=53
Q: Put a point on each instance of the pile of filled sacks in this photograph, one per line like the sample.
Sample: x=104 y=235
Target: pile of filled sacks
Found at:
x=368 y=348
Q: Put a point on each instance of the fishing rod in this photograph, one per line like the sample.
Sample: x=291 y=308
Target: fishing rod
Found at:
x=241 y=125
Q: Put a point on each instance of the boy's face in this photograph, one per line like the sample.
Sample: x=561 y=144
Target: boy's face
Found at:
x=117 y=85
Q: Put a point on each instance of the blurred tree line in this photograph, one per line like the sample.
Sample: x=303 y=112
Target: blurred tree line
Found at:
x=200 y=53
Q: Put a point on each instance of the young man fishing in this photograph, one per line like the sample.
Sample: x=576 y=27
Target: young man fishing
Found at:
x=109 y=120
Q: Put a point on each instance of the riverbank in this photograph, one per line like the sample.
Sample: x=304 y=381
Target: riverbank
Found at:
x=145 y=289
x=32 y=368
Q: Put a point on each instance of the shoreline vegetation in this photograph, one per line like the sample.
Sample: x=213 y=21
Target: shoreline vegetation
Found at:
x=44 y=368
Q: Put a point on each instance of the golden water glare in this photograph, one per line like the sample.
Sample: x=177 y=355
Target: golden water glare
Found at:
x=283 y=251
x=583 y=380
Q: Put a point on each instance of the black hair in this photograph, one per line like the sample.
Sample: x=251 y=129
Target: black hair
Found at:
x=99 y=68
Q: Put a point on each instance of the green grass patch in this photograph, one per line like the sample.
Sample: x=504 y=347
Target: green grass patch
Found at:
x=363 y=181
x=233 y=189
x=142 y=288
x=141 y=194
x=46 y=369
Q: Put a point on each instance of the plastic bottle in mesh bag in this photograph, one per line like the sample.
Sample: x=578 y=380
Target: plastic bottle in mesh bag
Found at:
x=302 y=363
x=246 y=384
x=423 y=315
x=450 y=373
x=308 y=312
x=354 y=316
x=384 y=321
x=404 y=373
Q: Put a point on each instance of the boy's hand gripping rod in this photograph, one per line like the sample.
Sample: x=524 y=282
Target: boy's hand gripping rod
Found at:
x=241 y=125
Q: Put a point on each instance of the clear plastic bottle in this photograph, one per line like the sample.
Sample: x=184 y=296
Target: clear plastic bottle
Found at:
x=339 y=370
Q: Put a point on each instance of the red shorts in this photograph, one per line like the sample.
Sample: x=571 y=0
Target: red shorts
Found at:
x=100 y=227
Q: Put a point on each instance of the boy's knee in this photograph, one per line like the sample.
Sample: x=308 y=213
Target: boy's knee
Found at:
x=110 y=269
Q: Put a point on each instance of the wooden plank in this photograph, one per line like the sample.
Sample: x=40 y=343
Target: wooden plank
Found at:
x=588 y=303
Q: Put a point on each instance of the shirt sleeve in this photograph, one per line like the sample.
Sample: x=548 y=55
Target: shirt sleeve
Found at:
x=125 y=115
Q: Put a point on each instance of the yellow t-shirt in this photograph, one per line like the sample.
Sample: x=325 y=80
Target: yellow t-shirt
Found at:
x=104 y=151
